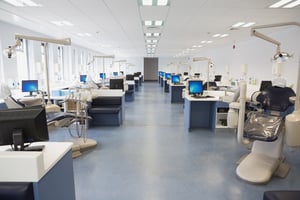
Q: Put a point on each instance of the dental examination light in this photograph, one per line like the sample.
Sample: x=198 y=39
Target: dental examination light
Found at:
x=209 y=64
x=67 y=41
x=279 y=55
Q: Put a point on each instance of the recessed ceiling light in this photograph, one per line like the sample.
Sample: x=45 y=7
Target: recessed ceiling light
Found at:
x=224 y=35
x=154 y=41
x=238 y=24
x=148 y=22
x=248 y=24
x=279 y=3
x=149 y=41
x=209 y=41
x=293 y=4
x=156 y=34
x=147 y=2
x=148 y=34
x=162 y=2
x=158 y=22
x=217 y=35
x=23 y=3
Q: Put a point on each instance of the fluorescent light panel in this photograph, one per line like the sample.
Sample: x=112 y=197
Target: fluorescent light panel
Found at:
x=248 y=24
x=238 y=24
x=147 y=2
x=293 y=4
x=280 y=3
x=148 y=22
x=62 y=23
x=23 y=3
x=158 y=22
x=162 y=2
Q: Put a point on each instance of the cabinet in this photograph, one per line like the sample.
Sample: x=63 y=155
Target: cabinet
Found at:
x=221 y=114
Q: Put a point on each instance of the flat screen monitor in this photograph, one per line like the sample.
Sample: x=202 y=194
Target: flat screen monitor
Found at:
x=115 y=73
x=264 y=85
x=102 y=76
x=175 y=79
x=195 y=87
x=83 y=78
x=116 y=83
x=30 y=86
x=168 y=76
x=28 y=123
x=129 y=77
x=218 y=77
x=162 y=74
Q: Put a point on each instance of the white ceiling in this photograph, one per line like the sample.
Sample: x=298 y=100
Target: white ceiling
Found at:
x=116 y=25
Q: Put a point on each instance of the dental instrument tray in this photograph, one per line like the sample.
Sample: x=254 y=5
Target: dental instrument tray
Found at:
x=260 y=126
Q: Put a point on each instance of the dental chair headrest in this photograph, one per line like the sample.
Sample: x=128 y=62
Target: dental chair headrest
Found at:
x=279 y=82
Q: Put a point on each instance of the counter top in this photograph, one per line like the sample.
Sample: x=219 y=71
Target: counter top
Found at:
x=30 y=166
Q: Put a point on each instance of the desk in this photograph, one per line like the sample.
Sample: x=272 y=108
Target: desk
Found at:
x=50 y=171
x=200 y=113
x=176 y=93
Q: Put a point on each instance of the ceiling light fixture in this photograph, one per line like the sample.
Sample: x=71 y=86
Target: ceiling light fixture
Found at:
x=279 y=3
x=147 y=2
x=224 y=35
x=238 y=24
x=148 y=22
x=217 y=35
x=293 y=4
x=162 y=2
x=158 y=22
x=248 y=24
x=23 y=3
x=62 y=23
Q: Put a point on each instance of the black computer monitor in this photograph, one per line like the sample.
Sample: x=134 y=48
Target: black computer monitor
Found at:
x=115 y=73
x=175 y=79
x=83 y=78
x=195 y=87
x=218 y=77
x=185 y=73
x=23 y=125
x=264 y=85
x=102 y=76
x=116 y=83
x=30 y=86
x=168 y=76
x=129 y=77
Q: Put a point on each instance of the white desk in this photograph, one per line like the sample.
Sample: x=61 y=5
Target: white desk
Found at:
x=50 y=171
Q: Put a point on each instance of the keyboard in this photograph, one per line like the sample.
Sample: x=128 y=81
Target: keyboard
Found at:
x=203 y=96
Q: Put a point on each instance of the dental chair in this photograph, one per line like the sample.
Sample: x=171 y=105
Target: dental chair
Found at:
x=264 y=129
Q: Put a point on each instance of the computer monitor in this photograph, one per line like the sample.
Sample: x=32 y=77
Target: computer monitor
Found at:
x=162 y=74
x=218 y=77
x=83 y=78
x=129 y=77
x=175 y=79
x=116 y=83
x=195 y=87
x=102 y=76
x=168 y=76
x=23 y=125
x=30 y=86
x=115 y=73
x=185 y=73
x=264 y=85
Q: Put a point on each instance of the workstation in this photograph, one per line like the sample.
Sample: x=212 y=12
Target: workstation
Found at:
x=157 y=103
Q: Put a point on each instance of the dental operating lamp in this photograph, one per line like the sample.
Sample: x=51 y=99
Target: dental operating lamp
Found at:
x=67 y=41
x=209 y=64
x=279 y=53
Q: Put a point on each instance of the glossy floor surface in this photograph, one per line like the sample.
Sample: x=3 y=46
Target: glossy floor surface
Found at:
x=152 y=157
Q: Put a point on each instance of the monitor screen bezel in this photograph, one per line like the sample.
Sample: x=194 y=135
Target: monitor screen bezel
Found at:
x=190 y=82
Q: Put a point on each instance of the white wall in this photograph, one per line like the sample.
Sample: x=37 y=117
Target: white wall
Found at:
x=257 y=54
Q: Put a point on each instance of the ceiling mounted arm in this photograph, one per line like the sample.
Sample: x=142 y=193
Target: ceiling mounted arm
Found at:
x=278 y=54
x=65 y=41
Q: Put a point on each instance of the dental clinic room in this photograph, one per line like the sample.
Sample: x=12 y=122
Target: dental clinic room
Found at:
x=150 y=100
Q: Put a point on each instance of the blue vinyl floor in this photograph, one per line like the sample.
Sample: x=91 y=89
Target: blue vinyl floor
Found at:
x=152 y=157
